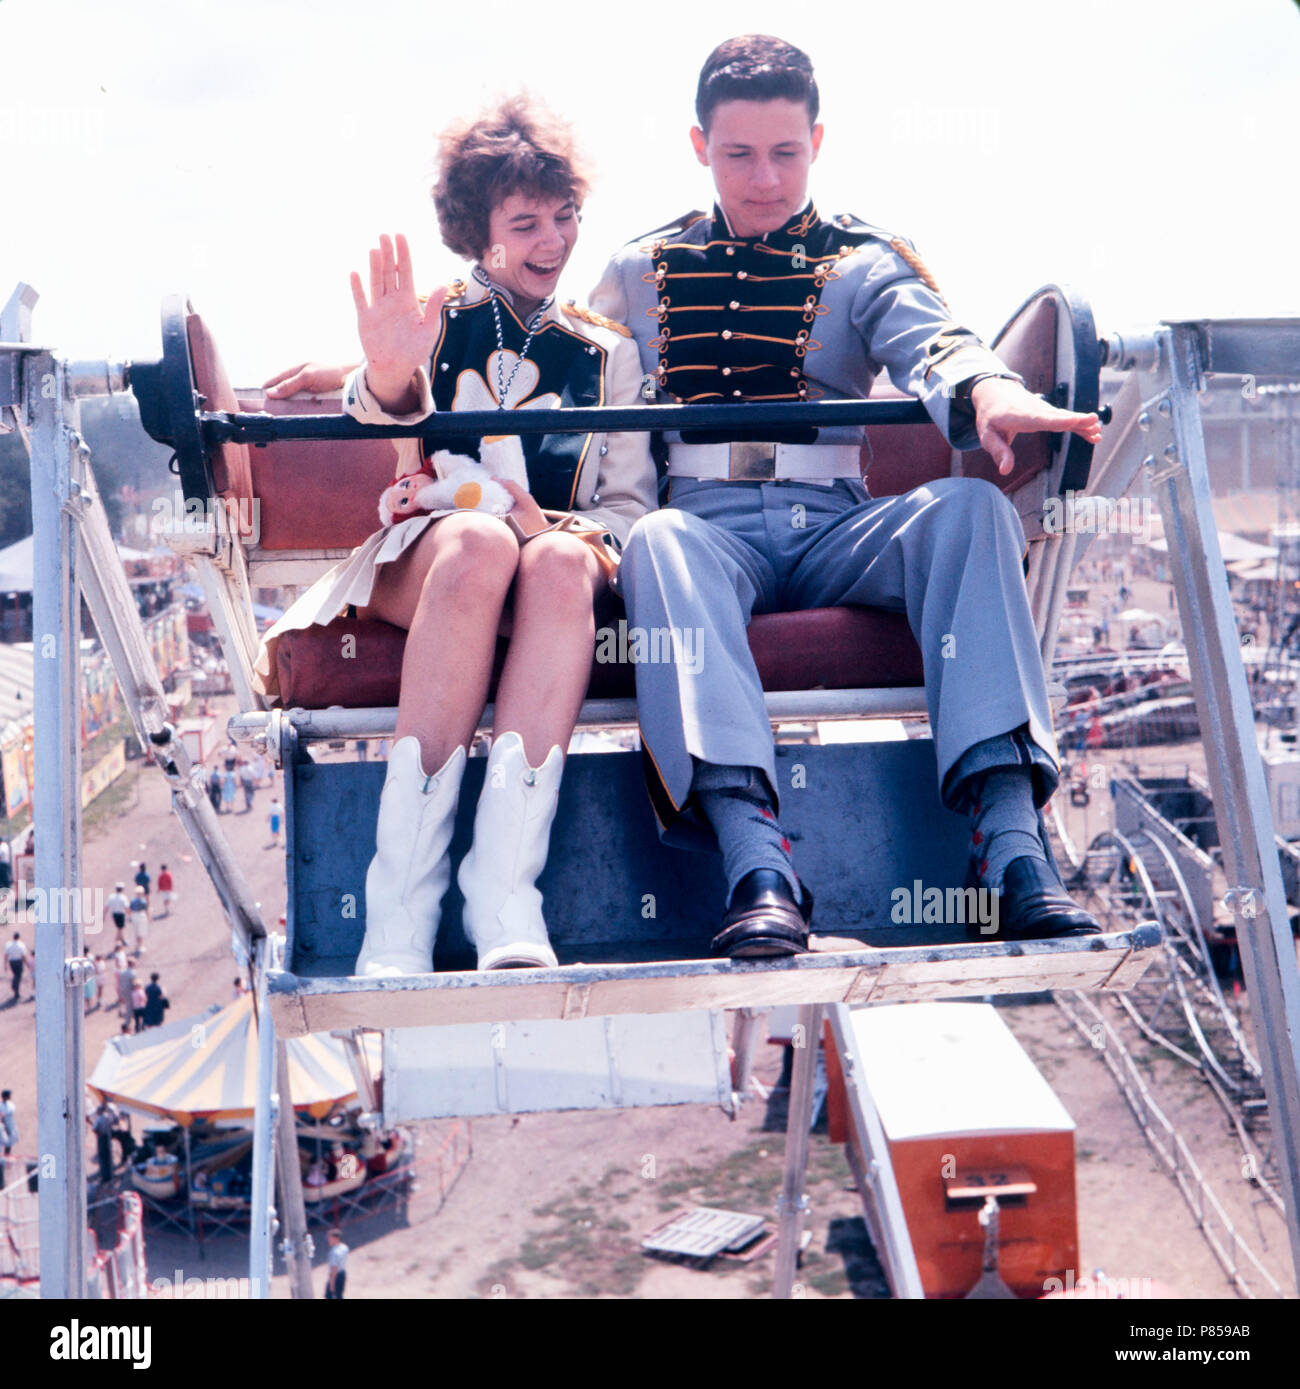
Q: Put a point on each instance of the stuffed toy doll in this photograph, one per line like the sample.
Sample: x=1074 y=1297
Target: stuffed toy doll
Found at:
x=455 y=482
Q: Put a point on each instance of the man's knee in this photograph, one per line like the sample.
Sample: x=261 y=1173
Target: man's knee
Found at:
x=976 y=502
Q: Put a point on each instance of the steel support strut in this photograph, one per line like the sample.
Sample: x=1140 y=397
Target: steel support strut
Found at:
x=1176 y=460
x=793 y=1202
x=56 y=455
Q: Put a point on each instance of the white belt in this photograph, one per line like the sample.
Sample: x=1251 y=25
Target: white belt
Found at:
x=758 y=462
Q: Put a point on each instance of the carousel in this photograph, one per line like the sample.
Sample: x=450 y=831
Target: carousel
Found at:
x=193 y=1082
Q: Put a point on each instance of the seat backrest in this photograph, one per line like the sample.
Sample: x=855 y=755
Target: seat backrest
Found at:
x=231 y=478
x=316 y=495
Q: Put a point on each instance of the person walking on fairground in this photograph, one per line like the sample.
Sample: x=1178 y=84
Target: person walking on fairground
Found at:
x=338 y=1265
x=155 y=1003
x=273 y=819
x=247 y=783
x=140 y=920
x=116 y=906
x=142 y=880
x=16 y=956
x=8 y=1121
x=214 y=788
x=228 y=781
x=166 y=890
x=125 y=985
x=139 y=1001
x=6 y=866
x=95 y=984
x=103 y=1124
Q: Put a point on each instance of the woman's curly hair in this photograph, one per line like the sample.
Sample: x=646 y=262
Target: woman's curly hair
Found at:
x=517 y=146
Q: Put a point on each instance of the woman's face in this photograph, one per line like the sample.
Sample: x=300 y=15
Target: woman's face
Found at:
x=530 y=240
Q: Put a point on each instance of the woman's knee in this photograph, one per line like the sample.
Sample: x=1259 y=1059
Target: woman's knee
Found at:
x=472 y=551
x=560 y=566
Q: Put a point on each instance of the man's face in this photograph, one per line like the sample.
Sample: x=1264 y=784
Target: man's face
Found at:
x=760 y=153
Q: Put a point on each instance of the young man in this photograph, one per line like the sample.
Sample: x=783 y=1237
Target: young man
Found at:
x=765 y=299
x=8 y=1122
x=16 y=956
x=337 y=1278
x=166 y=889
x=116 y=906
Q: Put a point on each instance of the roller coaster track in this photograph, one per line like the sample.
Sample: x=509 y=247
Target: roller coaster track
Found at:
x=1179 y=1004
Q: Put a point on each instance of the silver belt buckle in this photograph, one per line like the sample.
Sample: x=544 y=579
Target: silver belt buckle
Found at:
x=750 y=462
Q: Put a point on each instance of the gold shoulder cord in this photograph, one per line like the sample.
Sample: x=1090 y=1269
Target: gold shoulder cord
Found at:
x=591 y=316
x=902 y=249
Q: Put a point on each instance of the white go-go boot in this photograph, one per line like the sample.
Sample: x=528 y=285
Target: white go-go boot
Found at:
x=411 y=869
x=512 y=831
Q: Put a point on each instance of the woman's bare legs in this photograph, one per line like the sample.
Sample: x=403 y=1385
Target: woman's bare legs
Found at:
x=447 y=591
x=549 y=661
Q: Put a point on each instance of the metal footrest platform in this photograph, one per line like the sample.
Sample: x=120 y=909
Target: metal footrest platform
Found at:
x=828 y=974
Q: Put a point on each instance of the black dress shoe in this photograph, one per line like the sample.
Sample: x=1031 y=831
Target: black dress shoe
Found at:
x=764 y=919
x=1034 y=905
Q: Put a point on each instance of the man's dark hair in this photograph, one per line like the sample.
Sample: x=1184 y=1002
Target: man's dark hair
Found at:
x=755 y=67
x=153 y=978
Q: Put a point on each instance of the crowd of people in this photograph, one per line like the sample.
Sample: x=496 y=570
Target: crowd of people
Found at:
x=232 y=774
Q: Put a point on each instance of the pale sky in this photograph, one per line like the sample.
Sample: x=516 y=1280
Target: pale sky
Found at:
x=248 y=153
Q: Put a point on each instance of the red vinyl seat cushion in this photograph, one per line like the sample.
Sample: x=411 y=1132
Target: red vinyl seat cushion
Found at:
x=823 y=648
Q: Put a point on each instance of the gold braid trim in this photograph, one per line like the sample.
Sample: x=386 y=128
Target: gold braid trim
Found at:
x=590 y=316
x=902 y=249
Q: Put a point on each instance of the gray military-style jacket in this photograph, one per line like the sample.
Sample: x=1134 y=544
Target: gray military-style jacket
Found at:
x=810 y=312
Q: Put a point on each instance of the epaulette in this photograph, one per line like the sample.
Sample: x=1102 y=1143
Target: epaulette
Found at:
x=455 y=290
x=678 y=224
x=575 y=310
x=855 y=226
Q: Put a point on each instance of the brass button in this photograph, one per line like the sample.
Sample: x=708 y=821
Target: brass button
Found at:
x=452 y=314
x=726 y=371
x=735 y=393
x=726 y=332
x=735 y=304
x=742 y=274
x=731 y=250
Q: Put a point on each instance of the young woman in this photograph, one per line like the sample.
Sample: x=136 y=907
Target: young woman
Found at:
x=508 y=197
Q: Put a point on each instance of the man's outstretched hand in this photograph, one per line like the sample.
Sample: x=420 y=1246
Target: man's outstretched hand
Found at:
x=315 y=377
x=1005 y=408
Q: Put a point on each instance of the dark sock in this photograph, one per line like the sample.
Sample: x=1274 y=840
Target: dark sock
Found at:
x=1004 y=823
x=737 y=804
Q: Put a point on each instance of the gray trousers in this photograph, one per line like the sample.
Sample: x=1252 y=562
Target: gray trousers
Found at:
x=949 y=554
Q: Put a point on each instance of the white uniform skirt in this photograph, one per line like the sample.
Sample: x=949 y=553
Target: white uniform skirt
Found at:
x=351 y=580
